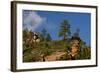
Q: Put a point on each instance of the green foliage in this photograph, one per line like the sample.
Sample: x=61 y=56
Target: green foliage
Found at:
x=25 y=32
x=85 y=53
x=64 y=29
x=77 y=33
x=45 y=36
x=46 y=51
x=48 y=38
x=44 y=33
x=41 y=37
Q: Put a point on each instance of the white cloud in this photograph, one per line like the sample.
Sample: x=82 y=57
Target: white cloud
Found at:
x=32 y=20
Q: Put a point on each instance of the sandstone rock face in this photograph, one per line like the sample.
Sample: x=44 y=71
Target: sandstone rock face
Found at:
x=54 y=57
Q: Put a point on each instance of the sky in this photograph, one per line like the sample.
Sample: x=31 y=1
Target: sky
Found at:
x=51 y=21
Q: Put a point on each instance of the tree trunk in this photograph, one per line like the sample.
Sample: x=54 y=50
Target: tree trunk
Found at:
x=65 y=37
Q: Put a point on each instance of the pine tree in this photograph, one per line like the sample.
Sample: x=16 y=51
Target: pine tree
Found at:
x=44 y=34
x=77 y=33
x=64 y=29
x=48 y=38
